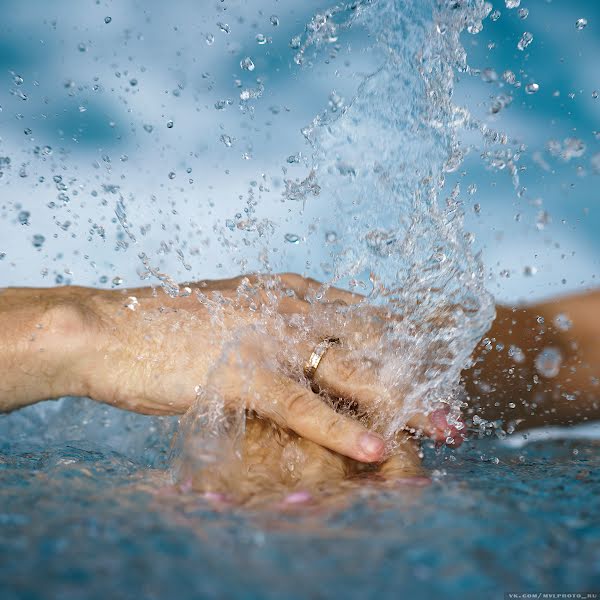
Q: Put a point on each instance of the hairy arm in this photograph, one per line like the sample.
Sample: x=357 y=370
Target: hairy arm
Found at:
x=540 y=364
x=39 y=341
x=51 y=346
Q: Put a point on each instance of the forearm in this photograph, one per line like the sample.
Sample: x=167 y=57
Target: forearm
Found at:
x=37 y=342
x=510 y=379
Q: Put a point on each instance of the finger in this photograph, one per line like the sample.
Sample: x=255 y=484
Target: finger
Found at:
x=292 y=405
x=439 y=427
x=306 y=288
x=343 y=376
x=404 y=466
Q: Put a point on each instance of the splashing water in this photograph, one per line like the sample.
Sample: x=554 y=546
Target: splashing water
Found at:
x=365 y=200
x=380 y=156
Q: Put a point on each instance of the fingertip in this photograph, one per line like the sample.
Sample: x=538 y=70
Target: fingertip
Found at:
x=442 y=430
x=371 y=447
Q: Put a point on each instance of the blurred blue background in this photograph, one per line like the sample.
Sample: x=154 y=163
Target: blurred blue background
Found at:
x=90 y=90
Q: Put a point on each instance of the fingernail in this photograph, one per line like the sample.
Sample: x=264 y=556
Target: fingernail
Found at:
x=438 y=419
x=297 y=498
x=215 y=496
x=371 y=445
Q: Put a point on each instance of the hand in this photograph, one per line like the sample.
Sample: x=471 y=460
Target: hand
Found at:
x=254 y=462
x=243 y=341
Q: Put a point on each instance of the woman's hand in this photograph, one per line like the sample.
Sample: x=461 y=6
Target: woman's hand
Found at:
x=244 y=340
x=254 y=462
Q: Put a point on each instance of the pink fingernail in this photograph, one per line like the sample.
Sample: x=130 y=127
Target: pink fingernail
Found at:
x=297 y=498
x=371 y=445
x=438 y=419
x=215 y=496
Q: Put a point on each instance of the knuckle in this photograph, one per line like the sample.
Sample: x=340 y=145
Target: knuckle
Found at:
x=346 y=369
x=291 y=278
x=334 y=426
x=298 y=402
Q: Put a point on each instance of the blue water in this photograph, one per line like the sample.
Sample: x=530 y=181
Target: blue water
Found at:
x=79 y=520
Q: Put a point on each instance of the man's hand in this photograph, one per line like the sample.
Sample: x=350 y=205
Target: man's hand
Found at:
x=243 y=340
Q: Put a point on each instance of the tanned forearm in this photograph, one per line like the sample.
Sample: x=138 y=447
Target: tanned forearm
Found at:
x=37 y=342
x=539 y=365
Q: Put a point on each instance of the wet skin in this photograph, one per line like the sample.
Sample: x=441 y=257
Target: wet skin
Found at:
x=152 y=355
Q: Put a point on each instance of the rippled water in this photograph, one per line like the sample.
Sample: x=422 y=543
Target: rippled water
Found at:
x=81 y=520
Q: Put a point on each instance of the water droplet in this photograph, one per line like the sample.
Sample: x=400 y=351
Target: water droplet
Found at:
x=148 y=128
x=82 y=47
x=573 y=148
x=247 y=64
x=532 y=88
x=170 y=124
x=133 y=303
x=489 y=75
x=331 y=237
x=292 y=238
x=23 y=217
x=38 y=240
x=542 y=219
x=210 y=39
x=172 y=175
x=274 y=20
x=261 y=39
x=525 y=40
x=523 y=13
x=581 y=24
x=133 y=82
x=562 y=322
x=224 y=27
x=495 y=15
x=548 y=361
x=475 y=28
x=509 y=77
x=529 y=271
x=107 y=20
x=117 y=280
x=227 y=140
x=595 y=94
x=513 y=3
x=295 y=42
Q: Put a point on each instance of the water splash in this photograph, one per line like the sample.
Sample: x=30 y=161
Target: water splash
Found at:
x=382 y=157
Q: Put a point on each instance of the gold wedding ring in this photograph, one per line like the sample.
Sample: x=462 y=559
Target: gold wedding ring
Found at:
x=310 y=368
